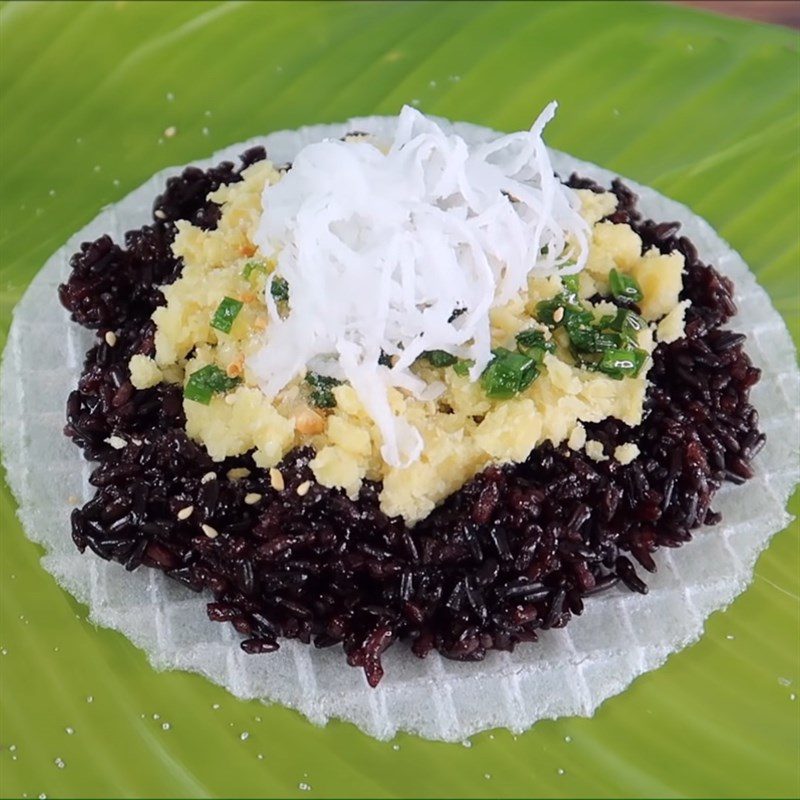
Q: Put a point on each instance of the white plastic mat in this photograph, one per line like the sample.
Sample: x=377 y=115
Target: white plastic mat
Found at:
x=569 y=672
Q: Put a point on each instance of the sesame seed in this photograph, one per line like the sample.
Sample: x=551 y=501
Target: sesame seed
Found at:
x=238 y=472
x=159 y=214
x=209 y=476
x=558 y=315
x=185 y=513
x=72 y=500
x=117 y=442
x=111 y=338
x=212 y=533
x=302 y=489
x=276 y=479
x=252 y=498
x=170 y=131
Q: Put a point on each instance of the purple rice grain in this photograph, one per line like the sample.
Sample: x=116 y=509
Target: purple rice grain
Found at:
x=516 y=550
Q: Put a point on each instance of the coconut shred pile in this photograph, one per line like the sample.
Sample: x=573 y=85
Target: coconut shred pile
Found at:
x=388 y=254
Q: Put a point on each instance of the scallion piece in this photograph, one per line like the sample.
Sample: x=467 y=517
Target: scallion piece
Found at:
x=322 y=390
x=533 y=344
x=570 y=284
x=508 y=374
x=626 y=323
x=439 y=358
x=279 y=289
x=622 y=363
x=463 y=366
x=253 y=266
x=624 y=287
x=206 y=382
x=226 y=313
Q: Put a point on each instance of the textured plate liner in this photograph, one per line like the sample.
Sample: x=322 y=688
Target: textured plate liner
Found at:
x=569 y=672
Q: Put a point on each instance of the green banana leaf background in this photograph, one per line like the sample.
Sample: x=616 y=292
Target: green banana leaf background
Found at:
x=702 y=107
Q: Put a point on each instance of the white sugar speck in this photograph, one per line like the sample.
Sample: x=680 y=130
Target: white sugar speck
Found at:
x=244 y=736
x=260 y=756
x=156 y=716
x=560 y=771
x=784 y=682
x=207 y=113
x=205 y=131
x=52 y=193
x=487 y=775
x=115 y=181
x=793 y=696
x=415 y=101
x=432 y=84
x=97 y=168
x=165 y=726
x=59 y=762
x=170 y=131
x=42 y=796
x=455 y=78
x=567 y=739
x=4 y=651
x=395 y=747
x=69 y=731
x=257 y=719
x=491 y=736
x=730 y=637
x=12 y=748
x=170 y=97
x=304 y=787
x=215 y=706
x=466 y=743
x=90 y=699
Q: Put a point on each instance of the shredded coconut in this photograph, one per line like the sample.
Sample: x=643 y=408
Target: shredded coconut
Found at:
x=380 y=248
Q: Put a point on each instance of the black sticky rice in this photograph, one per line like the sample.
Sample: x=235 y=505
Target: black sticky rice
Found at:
x=517 y=550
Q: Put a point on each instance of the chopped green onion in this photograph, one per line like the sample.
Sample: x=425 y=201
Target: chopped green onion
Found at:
x=226 y=313
x=545 y=250
x=570 y=284
x=534 y=338
x=279 y=289
x=624 y=287
x=604 y=340
x=626 y=323
x=322 y=390
x=621 y=363
x=533 y=344
x=508 y=374
x=439 y=358
x=463 y=366
x=206 y=382
x=253 y=266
